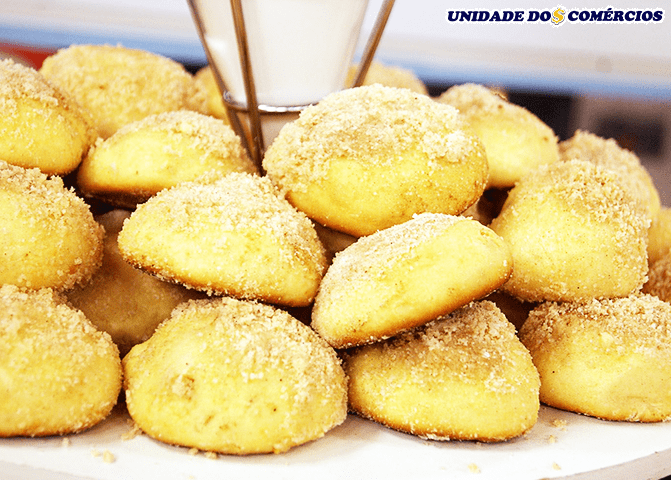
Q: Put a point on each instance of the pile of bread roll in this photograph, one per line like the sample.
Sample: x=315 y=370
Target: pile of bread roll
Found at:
x=441 y=266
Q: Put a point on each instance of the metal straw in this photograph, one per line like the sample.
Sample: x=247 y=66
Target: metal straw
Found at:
x=248 y=76
x=256 y=148
x=373 y=42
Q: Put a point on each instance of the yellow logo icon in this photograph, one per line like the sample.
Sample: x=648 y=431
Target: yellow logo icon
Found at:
x=558 y=16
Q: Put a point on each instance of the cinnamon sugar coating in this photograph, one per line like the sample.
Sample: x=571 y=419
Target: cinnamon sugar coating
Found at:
x=464 y=376
x=389 y=76
x=40 y=126
x=659 y=235
x=623 y=163
x=158 y=152
x=371 y=157
x=235 y=377
x=234 y=235
x=407 y=275
x=575 y=234
x=124 y=301
x=515 y=139
x=606 y=358
x=59 y=373
x=49 y=238
x=118 y=85
x=205 y=96
x=659 y=278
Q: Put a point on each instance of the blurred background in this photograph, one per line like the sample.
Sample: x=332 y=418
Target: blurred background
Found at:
x=612 y=79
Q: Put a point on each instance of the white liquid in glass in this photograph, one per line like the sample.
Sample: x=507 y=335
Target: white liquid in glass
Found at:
x=300 y=50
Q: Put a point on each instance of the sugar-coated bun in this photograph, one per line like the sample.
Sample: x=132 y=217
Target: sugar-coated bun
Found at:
x=59 y=374
x=464 y=376
x=659 y=235
x=625 y=164
x=234 y=235
x=158 y=152
x=516 y=140
x=234 y=377
x=124 y=301
x=659 y=278
x=575 y=234
x=118 y=85
x=205 y=96
x=407 y=275
x=367 y=158
x=607 y=358
x=389 y=76
x=48 y=236
x=40 y=127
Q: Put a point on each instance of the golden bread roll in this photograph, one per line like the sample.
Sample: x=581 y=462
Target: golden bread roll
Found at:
x=659 y=278
x=205 y=96
x=516 y=140
x=48 y=238
x=607 y=358
x=235 y=236
x=575 y=234
x=40 y=127
x=118 y=85
x=123 y=301
x=389 y=76
x=58 y=374
x=625 y=164
x=234 y=377
x=464 y=376
x=659 y=235
x=158 y=152
x=407 y=275
x=367 y=158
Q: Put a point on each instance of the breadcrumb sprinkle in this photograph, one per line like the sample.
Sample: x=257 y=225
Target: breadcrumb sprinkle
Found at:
x=637 y=323
x=373 y=125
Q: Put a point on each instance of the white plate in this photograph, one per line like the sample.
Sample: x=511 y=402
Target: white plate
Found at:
x=560 y=445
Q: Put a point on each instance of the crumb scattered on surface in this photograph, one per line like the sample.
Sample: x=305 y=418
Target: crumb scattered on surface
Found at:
x=558 y=423
x=552 y=439
x=473 y=468
x=132 y=433
x=108 y=457
x=556 y=466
